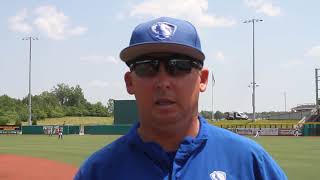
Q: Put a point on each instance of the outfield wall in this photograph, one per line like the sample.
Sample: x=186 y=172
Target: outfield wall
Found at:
x=268 y=130
x=311 y=129
x=107 y=129
x=93 y=129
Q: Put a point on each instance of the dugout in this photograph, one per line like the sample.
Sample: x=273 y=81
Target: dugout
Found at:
x=125 y=112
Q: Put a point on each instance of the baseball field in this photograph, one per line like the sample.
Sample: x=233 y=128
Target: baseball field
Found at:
x=298 y=156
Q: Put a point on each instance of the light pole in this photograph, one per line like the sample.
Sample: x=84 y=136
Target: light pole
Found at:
x=317 y=89
x=213 y=82
x=30 y=40
x=253 y=66
x=285 y=102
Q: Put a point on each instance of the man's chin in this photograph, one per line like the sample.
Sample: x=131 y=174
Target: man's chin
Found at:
x=166 y=118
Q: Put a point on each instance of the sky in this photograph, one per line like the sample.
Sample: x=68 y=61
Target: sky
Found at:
x=79 y=43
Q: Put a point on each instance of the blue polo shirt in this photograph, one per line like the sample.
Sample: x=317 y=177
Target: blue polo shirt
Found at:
x=215 y=154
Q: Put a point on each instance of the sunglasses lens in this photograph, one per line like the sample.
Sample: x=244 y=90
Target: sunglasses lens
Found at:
x=146 y=68
x=179 y=67
x=174 y=66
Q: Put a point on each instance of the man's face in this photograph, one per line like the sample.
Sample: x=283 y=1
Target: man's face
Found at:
x=164 y=98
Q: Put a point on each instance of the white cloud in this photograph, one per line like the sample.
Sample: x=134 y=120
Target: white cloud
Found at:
x=77 y=31
x=314 y=52
x=195 y=11
x=17 y=22
x=264 y=7
x=219 y=56
x=98 y=83
x=55 y=24
x=99 y=59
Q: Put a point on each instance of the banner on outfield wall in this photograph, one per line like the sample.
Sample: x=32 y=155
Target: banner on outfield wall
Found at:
x=286 y=132
x=268 y=131
x=253 y=131
x=10 y=129
x=244 y=131
x=51 y=129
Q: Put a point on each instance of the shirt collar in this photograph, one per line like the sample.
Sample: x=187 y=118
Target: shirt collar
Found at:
x=134 y=137
x=157 y=154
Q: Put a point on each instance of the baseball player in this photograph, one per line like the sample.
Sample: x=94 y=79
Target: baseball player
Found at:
x=258 y=132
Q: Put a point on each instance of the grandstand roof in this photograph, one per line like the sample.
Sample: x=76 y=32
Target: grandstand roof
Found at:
x=303 y=107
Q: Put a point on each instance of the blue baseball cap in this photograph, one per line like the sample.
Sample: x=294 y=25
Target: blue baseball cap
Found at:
x=164 y=35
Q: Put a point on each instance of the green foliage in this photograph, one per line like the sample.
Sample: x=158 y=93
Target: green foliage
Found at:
x=69 y=96
x=85 y=120
x=100 y=109
x=6 y=117
x=206 y=114
x=110 y=107
x=3 y=120
x=34 y=122
x=62 y=101
x=38 y=113
x=56 y=112
x=18 y=123
x=218 y=115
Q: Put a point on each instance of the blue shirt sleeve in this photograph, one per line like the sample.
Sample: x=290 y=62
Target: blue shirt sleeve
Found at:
x=268 y=168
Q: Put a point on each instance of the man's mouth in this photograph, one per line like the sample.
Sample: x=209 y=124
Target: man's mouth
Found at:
x=164 y=102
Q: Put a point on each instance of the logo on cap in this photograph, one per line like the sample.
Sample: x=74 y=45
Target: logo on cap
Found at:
x=163 y=30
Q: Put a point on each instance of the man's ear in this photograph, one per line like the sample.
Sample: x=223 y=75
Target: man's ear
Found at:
x=128 y=81
x=204 y=74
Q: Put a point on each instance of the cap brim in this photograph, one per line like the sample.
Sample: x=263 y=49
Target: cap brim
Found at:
x=137 y=50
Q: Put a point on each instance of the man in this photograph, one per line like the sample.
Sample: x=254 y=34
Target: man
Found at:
x=258 y=133
x=296 y=131
x=171 y=141
x=60 y=131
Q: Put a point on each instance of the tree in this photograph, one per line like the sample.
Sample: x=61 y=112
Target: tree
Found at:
x=76 y=96
x=61 y=101
x=100 y=109
x=218 y=115
x=6 y=117
x=110 y=107
x=62 y=92
x=11 y=109
x=69 y=96
x=3 y=119
x=206 y=114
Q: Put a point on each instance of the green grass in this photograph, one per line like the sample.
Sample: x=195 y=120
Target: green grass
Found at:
x=298 y=156
x=73 y=149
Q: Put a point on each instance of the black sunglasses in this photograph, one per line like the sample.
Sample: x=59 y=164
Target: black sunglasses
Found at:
x=174 y=65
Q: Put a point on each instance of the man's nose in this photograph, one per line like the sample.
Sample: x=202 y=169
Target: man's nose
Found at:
x=164 y=79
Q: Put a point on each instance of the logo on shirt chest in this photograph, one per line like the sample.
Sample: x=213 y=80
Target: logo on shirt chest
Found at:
x=218 y=175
